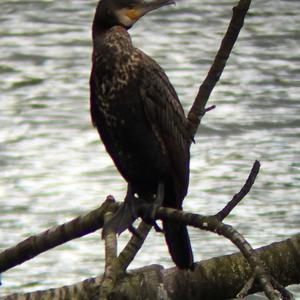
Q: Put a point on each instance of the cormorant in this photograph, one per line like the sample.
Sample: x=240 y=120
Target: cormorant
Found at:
x=140 y=120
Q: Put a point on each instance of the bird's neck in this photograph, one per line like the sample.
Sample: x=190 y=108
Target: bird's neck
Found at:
x=99 y=27
x=115 y=37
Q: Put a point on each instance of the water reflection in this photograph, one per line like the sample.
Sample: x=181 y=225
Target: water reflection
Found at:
x=53 y=167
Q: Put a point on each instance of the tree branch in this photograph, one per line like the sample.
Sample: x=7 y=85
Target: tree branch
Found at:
x=237 y=198
x=134 y=245
x=115 y=267
x=55 y=236
x=197 y=110
x=216 y=278
x=253 y=259
x=111 y=250
x=110 y=274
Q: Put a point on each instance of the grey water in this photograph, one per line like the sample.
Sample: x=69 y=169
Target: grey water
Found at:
x=53 y=166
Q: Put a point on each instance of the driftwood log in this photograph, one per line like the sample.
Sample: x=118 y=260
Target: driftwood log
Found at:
x=217 y=278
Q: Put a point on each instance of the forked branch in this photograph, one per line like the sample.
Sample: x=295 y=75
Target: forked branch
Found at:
x=115 y=266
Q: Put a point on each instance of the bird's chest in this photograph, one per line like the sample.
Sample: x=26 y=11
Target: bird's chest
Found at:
x=119 y=104
x=128 y=137
x=117 y=88
x=123 y=124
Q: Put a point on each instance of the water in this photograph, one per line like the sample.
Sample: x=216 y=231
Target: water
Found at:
x=54 y=168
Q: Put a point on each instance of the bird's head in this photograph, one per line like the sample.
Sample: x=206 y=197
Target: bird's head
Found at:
x=124 y=12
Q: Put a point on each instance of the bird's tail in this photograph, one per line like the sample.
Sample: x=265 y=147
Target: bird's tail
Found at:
x=179 y=244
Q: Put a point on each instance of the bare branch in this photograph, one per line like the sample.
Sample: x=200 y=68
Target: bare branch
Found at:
x=134 y=245
x=212 y=224
x=197 y=110
x=109 y=276
x=221 y=277
x=116 y=266
x=286 y=295
x=253 y=259
x=110 y=244
x=237 y=198
x=55 y=236
x=246 y=288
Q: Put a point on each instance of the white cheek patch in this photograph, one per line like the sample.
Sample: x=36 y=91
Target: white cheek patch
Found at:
x=123 y=18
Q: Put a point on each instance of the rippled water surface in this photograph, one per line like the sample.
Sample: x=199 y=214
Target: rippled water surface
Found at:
x=54 y=168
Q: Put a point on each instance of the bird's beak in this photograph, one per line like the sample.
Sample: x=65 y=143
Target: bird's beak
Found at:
x=137 y=12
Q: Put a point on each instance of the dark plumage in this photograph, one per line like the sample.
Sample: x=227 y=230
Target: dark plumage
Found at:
x=139 y=118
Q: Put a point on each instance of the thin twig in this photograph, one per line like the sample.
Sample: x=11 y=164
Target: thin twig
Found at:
x=237 y=198
x=286 y=295
x=246 y=288
x=134 y=245
x=209 y=108
x=197 y=110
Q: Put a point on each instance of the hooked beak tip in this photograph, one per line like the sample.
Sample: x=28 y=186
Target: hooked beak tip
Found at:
x=170 y=2
x=160 y=3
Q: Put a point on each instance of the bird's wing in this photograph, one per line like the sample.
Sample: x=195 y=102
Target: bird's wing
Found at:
x=167 y=120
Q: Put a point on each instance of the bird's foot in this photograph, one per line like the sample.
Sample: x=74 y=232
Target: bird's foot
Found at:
x=125 y=216
x=148 y=210
x=132 y=208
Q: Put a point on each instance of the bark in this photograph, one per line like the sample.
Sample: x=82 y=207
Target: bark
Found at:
x=217 y=278
x=55 y=236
